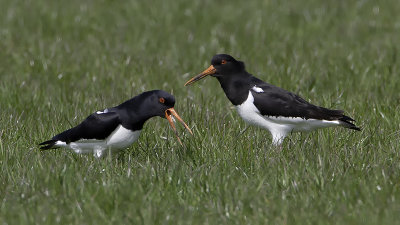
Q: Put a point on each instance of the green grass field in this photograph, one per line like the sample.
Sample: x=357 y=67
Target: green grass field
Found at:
x=62 y=60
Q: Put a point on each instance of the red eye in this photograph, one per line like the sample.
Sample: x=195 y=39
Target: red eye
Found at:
x=223 y=61
x=162 y=100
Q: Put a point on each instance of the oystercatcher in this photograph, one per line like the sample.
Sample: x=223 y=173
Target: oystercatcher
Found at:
x=268 y=106
x=118 y=127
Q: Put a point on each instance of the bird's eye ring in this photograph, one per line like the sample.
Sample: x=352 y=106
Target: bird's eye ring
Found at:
x=162 y=100
x=223 y=61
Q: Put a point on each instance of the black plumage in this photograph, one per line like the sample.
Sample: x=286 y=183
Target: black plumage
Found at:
x=287 y=104
x=96 y=126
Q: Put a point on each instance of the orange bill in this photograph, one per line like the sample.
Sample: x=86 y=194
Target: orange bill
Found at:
x=210 y=70
x=170 y=114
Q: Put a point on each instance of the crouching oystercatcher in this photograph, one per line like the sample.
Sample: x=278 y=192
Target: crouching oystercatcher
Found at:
x=268 y=106
x=118 y=127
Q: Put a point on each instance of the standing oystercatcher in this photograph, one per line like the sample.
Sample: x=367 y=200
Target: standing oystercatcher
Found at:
x=268 y=106
x=118 y=127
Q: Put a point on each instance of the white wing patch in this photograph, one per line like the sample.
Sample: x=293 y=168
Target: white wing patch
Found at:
x=101 y=112
x=257 y=89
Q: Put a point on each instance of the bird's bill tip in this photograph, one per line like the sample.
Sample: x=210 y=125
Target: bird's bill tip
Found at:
x=209 y=71
x=169 y=114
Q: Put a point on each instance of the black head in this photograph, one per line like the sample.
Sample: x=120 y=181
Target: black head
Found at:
x=157 y=102
x=221 y=65
x=225 y=65
x=161 y=103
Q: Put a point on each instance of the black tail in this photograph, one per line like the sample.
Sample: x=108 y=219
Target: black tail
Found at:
x=48 y=144
x=347 y=122
x=334 y=114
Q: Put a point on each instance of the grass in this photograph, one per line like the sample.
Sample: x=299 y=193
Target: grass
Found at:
x=61 y=61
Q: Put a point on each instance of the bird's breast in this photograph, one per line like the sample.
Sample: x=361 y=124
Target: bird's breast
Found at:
x=122 y=137
x=248 y=111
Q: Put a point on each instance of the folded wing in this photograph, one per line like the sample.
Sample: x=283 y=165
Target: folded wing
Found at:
x=96 y=126
x=275 y=101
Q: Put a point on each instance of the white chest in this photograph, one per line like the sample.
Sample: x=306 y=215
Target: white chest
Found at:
x=248 y=111
x=122 y=138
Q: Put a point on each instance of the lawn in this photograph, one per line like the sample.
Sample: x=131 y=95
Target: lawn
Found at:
x=62 y=60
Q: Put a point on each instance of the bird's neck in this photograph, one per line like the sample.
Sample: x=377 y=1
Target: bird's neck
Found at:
x=135 y=117
x=236 y=87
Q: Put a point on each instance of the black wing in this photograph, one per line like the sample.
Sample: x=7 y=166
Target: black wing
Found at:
x=275 y=101
x=95 y=126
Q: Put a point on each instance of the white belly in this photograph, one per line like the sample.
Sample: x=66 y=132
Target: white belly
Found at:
x=280 y=126
x=119 y=139
x=122 y=138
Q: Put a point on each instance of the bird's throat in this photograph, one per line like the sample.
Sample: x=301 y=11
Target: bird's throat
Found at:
x=236 y=88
